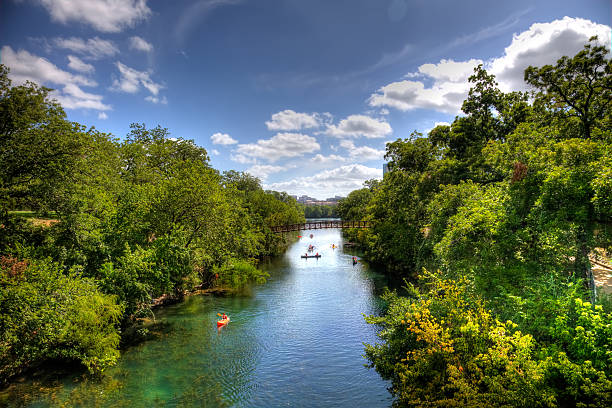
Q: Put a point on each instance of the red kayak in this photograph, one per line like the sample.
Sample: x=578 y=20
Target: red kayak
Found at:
x=222 y=322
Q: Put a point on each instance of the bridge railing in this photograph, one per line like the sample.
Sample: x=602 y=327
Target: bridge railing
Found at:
x=320 y=225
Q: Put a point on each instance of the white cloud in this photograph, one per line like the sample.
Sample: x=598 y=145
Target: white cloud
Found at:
x=94 y=48
x=359 y=125
x=280 y=146
x=140 y=44
x=340 y=181
x=262 y=171
x=362 y=153
x=157 y=100
x=102 y=116
x=109 y=16
x=541 y=44
x=242 y=159
x=223 y=139
x=131 y=80
x=326 y=160
x=215 y=152
x=76 y=64
x=446 y=94
x=291 y=120
x=28 y=67
x=449 y=70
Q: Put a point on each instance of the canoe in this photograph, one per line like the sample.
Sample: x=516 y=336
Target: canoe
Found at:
x=222 y=322
x=311 y=256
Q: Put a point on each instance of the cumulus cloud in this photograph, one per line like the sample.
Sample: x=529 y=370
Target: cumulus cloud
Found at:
x=76 y=64
x=262 y=171
x=327 y=160
x=446 y=94
x=291 y=120
x=102 y=116
x=223 y=139
x=339 y=181
x=215 y=152
x=28 y=67
x=140 y=44
x=93 y=48
x=541 y=44
x=282 y=145
x=359 y=125
x=131 y=80
x=362 y=153
x=109 y=16
x=242 y=159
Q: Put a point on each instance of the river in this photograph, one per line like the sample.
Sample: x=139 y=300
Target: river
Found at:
x=296 y=341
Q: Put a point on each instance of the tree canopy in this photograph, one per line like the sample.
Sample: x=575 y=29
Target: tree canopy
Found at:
x=507 y=205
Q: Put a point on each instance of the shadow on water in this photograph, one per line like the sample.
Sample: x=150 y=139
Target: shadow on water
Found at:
x=295 y=341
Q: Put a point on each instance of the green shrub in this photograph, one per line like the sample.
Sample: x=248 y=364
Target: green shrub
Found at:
x=236 y=273
x=46 y=315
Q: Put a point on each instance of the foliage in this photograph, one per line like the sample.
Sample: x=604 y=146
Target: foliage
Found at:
x=138 y=219
x=320 y=211
x=577 y=87
x=507 y=202
x=48 y=315
x=236 y=273
x=443 y=347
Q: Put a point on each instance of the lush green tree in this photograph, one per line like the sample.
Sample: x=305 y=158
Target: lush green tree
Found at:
x=39 y=148
x=508 y=202
x=576 y=87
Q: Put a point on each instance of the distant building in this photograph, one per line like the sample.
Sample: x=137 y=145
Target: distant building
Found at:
x=334 y=199
x=306 y=200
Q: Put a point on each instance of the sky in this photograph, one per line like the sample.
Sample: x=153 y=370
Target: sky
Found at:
x=303 y=94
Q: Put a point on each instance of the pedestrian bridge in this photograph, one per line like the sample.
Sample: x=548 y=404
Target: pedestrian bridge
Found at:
x=320 y=225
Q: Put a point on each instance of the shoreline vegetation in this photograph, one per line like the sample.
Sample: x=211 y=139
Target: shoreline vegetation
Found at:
x=114 y=228
x=496 y=222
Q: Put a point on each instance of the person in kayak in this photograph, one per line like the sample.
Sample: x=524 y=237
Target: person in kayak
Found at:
x=224 y=317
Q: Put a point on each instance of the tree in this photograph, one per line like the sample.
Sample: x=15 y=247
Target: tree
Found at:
x=39 y=148
x=577 y=87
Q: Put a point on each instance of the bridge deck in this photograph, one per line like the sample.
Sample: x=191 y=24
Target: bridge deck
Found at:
x=320 y=225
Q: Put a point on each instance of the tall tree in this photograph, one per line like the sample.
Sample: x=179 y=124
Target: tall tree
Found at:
x=577 y=87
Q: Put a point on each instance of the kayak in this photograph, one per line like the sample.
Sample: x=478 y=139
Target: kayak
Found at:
x=311 y=256
x=222 y=322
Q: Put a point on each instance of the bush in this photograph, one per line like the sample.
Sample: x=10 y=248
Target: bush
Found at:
x=237 y=273
x=46 y=315
x=443 y=347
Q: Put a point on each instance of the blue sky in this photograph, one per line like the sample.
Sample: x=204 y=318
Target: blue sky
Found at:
x=303 y=94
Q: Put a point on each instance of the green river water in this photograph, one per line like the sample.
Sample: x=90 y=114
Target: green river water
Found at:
x=296 y=341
